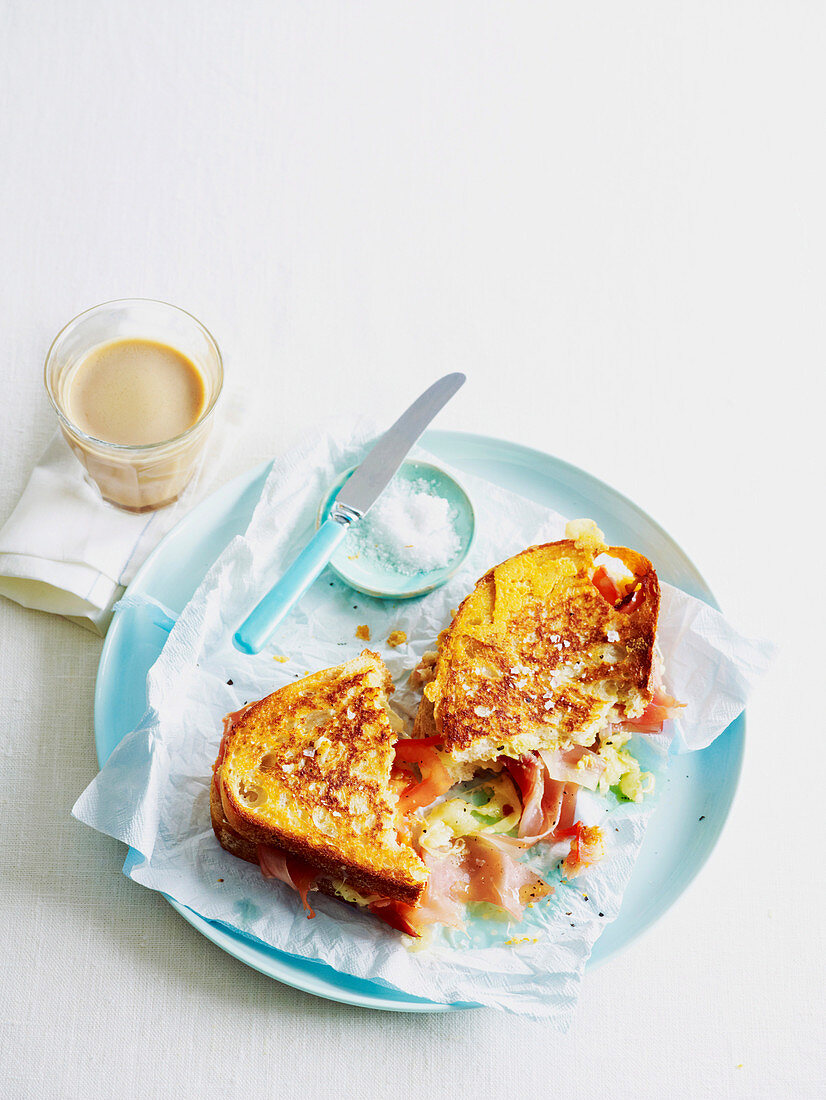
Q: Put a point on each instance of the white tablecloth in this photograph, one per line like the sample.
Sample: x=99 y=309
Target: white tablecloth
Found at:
x=611 y=217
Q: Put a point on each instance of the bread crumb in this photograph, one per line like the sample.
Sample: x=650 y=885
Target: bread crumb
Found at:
x=425 y=670
x=280 y=658
x=396 y=637
x=363 y=632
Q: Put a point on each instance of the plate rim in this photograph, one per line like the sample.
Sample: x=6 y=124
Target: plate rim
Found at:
x=533 y=456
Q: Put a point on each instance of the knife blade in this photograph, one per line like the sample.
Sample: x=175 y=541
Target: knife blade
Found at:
x=375 y=472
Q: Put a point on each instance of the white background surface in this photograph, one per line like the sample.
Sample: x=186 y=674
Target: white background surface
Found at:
x=611 y=217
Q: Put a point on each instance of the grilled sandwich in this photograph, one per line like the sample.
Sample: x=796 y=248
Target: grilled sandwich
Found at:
x=302 y=786
x=547 y=670
x=549 y=648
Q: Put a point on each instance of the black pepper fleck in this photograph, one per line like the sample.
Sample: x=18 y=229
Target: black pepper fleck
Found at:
x=703 y=817
x=229 y=682
x=602 y=914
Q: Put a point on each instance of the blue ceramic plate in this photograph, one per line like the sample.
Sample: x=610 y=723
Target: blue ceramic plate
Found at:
x=700 y=788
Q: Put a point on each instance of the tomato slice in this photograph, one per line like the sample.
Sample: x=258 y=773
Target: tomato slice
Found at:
x=586 y=846
x=435 y=781
x=605 y=585
x=409 y=749
x=393 y=913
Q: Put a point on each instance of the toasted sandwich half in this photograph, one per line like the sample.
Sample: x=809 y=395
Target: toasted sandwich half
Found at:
x=302 y=786
x=550 y=647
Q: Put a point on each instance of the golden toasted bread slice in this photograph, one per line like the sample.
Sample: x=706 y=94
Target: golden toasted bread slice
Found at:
x=548 y=647
x=245 y=849
x=307 y=770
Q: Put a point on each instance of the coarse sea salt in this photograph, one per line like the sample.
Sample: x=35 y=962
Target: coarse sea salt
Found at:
x=410 y=529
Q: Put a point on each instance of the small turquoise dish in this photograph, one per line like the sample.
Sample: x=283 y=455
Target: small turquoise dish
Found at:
x=369 y=576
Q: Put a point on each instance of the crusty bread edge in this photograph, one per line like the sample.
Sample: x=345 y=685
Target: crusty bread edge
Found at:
x=241 y=840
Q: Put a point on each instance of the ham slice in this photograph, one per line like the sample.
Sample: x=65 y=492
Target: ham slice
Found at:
x=495 y=877
x=288 y=869
x=476 y=870
x=446 y=888
x=440 y=903
x=543 y=799
x=567 y=811
x=564 y=766
x=662 y=707
x=528 y=774
x=273 y=863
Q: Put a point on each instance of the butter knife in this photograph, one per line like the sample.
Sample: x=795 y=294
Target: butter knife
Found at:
x=357 y=495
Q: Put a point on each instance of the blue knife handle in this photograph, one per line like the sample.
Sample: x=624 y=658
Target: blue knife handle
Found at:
x=252 y=635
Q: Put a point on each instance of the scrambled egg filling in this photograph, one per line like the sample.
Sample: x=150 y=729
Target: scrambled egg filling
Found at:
x=622 y=770
x=586 y=535
x=496 y=808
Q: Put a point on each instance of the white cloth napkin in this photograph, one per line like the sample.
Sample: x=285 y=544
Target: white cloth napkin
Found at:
x=65 y=550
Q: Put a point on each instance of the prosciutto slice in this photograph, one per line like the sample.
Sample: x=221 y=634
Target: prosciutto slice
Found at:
x=440 y=903
x=273 y=863
x=495 y=877
x=567 y=811
x=288 y=869
x=565 y=766
x=543 y=799
x=528 y=774
x=446 y=888
x=476 y=870
x=661 y=707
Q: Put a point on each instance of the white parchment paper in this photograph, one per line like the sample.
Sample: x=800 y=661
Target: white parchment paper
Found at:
x=153 y=793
